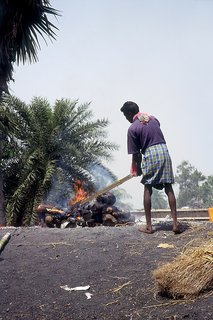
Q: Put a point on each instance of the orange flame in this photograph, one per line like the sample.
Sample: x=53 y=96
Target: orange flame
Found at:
x=80 y=193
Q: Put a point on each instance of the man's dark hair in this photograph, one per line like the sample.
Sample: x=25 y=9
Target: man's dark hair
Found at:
x=130 y=106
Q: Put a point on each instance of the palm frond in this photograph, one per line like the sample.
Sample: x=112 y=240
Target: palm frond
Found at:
x=20 y=198
x=21 y=22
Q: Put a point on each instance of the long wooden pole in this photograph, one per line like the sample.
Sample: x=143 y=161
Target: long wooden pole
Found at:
x=106 y=189
x=4 y=241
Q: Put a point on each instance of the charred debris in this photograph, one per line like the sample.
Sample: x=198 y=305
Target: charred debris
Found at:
x=101 y=211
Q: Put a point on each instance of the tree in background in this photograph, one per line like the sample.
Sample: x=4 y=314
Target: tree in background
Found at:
x=21 y=22
x=50 y=144
x=206 y=192
x=190 y=182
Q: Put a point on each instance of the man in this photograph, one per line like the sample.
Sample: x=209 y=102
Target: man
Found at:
x=146 y=138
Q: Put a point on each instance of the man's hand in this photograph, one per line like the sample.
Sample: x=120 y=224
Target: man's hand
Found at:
x=135 y=172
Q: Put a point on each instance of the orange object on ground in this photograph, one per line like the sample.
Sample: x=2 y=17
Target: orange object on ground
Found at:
x=210 y=211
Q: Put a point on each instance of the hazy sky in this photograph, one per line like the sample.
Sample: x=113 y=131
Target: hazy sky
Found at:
x=158 y=53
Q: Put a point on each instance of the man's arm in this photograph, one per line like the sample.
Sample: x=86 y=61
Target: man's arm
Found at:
x=136 y=164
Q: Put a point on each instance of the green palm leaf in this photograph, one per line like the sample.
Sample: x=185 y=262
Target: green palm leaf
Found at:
x=21 y=24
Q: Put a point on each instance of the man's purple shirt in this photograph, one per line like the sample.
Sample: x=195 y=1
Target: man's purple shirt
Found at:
x=140 y=136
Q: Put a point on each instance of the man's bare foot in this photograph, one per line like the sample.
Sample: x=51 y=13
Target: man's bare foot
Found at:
x=145 y=230
x=177 y=229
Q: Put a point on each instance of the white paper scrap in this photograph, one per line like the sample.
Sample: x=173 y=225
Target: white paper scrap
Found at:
x=165 y=245
x=88 y=295
x=75 y=288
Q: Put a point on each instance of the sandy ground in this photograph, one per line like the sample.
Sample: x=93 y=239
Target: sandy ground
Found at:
x=38 y=264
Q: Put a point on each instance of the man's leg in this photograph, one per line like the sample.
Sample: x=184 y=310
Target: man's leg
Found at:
x=172 y=204
x=147 y=208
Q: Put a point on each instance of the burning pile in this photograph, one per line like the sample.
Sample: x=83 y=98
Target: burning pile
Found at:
x=84 y=211
x=100 y=212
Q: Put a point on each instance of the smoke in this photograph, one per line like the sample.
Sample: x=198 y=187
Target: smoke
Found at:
x=59 y=193
x=103 y=177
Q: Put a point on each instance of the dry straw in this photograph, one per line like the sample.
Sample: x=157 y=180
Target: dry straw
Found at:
x=189 y=274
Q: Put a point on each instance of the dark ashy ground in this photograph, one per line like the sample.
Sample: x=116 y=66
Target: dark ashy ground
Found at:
x=116 y=262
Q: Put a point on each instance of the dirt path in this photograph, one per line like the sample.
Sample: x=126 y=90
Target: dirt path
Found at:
x=116 y=262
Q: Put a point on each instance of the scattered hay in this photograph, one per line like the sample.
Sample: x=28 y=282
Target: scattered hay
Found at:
x=188 y=275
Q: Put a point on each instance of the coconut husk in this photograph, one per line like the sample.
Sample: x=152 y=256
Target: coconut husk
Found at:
x=190 y=274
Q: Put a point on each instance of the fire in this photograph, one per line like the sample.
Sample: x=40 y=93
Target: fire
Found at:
x=80 y=193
